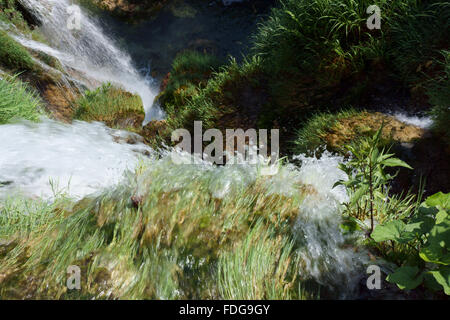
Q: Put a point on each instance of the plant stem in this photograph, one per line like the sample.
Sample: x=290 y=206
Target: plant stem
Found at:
x=371 y=194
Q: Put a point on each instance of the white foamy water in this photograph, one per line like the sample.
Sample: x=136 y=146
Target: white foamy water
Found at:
x=421 y=122
x=323 y=251
x=80 y=159
x=88 y=50
x=86 y=158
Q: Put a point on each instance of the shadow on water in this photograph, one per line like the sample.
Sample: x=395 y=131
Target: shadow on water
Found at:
x=203 y=25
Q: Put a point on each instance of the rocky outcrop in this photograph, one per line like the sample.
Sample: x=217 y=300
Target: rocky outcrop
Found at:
x=129 y=8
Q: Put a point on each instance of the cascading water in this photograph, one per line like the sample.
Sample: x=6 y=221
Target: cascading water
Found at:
x=88 y=50
x=39 y=159
x=83 y=158
x=324 y=253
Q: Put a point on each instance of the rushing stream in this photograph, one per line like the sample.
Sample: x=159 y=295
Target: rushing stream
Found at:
x=39 y=159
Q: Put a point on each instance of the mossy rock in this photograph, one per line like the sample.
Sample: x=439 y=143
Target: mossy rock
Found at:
x=13 y=56
x=337 y=130
x=113 y=106
x=128 y=9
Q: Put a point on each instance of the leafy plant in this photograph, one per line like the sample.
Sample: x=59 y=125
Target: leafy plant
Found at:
x=427 y=233
x=367 y=177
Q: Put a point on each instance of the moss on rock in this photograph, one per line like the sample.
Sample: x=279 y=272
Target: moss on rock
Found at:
x=129 y=9
x=113 y=106
x=337 y=130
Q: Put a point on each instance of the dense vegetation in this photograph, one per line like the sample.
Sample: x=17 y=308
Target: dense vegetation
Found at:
x=109 y=105
x=168 y=232
x=18 y=101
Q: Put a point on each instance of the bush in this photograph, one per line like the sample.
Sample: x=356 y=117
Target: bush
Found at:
x=9 y=13
x=229 y=99
x=326 y=39
x=422 y=245
x=439 y=93
x=18 y=101
x=189 y=74
x=417 y=35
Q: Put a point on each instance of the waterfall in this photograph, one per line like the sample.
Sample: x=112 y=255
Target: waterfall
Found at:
x=88 y=50
x=39 y=159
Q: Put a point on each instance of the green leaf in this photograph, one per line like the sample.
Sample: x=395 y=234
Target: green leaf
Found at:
x=392 y=230
x=420 y=224
x=359 y=193
x=395 y=162
x=338 y=183
x=430 y=282
x=442 y=276
x=435 y=254
x=439 y=199
x=438 y=241
x=374 y=156
x=441 y=216
x=406 y=278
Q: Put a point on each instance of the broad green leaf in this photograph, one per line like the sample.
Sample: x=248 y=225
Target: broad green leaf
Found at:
x=420 y=225
x=435 y=254
x=441 y=216
x=377 y=134
x=406 y=277
x=395 y=162
x=430 y=282
x=427 y=211
x=438 y=241
x=350 y=224
x=442 y=276
x=392 y=230
x=338 y=183
x=439 y=199
x=384 y=156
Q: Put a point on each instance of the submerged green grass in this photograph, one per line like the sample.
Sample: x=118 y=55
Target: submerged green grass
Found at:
x=151 y=239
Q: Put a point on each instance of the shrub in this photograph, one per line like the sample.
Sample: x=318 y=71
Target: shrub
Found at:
x=439 y=93
x=367 y=179
x=189 y=74
x=422 y=245
x=9 y=13
x=417 y=35
x=324 y=38
x=230 y=97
